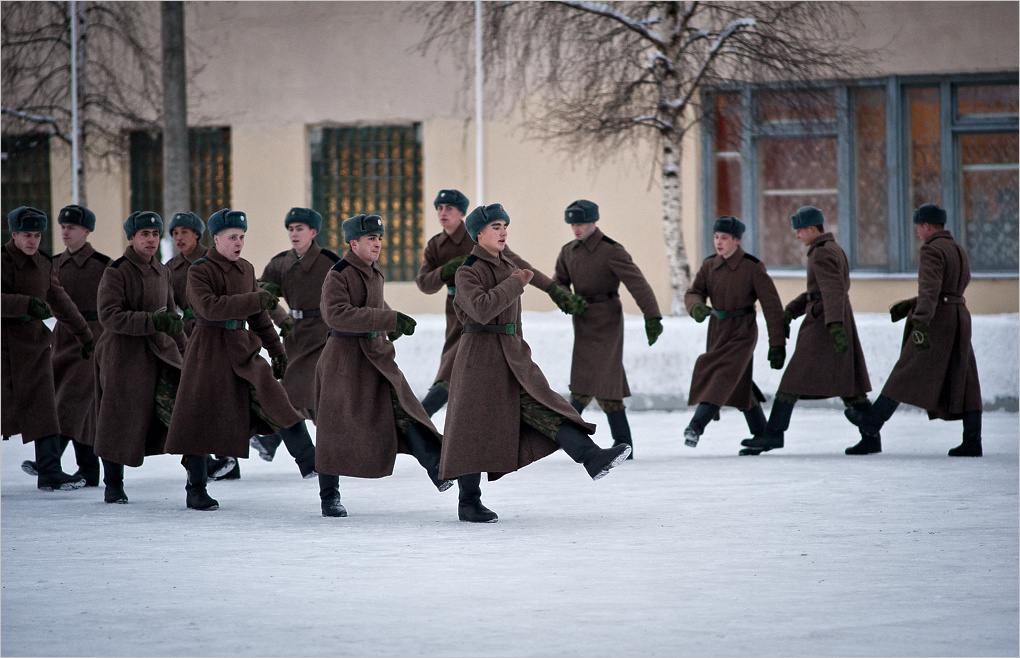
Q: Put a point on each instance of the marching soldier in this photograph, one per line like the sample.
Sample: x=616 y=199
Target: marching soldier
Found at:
x=732 y=280
x=595 y=265
x=367 y=411
x=503 y=415
x=444 y=253
x=227 y=391
x=936 y=369
x=827 y=360
x=31 y=289
x=138 y=357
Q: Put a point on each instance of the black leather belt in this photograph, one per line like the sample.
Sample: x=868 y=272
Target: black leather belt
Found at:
x=221 y=324
x=299 y=314
x=811 y=296
x=91 y=316
x=504 y=329
x=601 y=297
x=354 y=334
x=735 y=313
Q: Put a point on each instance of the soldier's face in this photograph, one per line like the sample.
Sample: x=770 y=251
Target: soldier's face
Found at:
x=925 y=231
x=301 y=236
x=27 y=241
x=145 y=242
x=449 y=216
x=185 y=239
x=725 y=244
x=808 y=233
x=367 y=247
x=229 y=243
x=582 y=231
x=74 y=236
x=492 y=238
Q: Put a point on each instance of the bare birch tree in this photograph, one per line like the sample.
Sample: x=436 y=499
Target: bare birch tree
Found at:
x=597 y=76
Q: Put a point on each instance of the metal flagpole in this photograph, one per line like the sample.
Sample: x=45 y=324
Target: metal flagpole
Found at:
x=72 y=8
x=479 y=152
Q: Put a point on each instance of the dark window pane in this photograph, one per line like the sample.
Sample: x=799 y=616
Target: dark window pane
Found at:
x=773 y=106
x=989 y=183
x=925 y=158
x=977 y=101
x=727 y=164
x=26 y=181
x=871 y=227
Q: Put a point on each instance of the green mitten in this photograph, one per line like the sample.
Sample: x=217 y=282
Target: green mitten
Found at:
x=279 y=366
x=838 y=337
x=787 y=319
x=653 y=329
x=561 y=298
x=176 y=323
x=579 y=304
x=38 y=309
x=777 y=357
x=268 y=301
x=87 y=348
x=393 y=335
x=405 y=324
x=899 y=310
x=919 y=336
x=270 y=287
x=286 y=327
x=450 y=268
x=700 y=311
x=161 y=322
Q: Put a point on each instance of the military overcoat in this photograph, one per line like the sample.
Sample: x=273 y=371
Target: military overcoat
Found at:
x=301 y=280
x=356 y=433
x=130 y=355
x=213 y=412
x=723 y=374
x=484 y=432
x=816 y=370
x=943 y=379
x=179 y=266
x=595 y=267
x=441 y=248
x=75 y=378
x=29 y=397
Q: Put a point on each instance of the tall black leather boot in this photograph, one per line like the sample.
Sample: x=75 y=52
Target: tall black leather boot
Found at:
x=266 y=445
x=620 y=429
x=198 y=498
x=755 y=419
x=47 y=463
x=427 y=453
x=469 y=500
x=29 y=467
x=299 y=445
x=579 y=447
x=775 y=428
x=869 y=444
x=576 y=404
x=88 y=463
x=113 y=478
x=971 y=446
x=870 y=421
x=222 y=468
x=435 y=399
x=329 y=496
x=703 y=415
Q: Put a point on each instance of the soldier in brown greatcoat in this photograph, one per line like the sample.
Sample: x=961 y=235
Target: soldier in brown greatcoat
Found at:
x=444 y=253
x=828 y=360
x=936 y=369
x=138 y=357
x=503 y=415
x=296 y=276
x=595 y=266
x=228 y=392
x=30 y=289
x=732 y=280
x=367 y=413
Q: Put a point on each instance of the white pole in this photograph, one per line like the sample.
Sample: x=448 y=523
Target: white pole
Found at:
x=479 y=152
x=75 y=127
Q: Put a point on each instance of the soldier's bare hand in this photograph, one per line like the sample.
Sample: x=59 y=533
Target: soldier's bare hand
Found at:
x=523 y=277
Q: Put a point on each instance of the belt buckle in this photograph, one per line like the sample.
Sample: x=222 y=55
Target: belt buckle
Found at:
x=510 y=329
x=372 y=334
x=451 y=290
x=230 y=324
x=297 y=314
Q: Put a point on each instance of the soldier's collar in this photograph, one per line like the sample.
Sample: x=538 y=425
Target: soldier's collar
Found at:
x=79 y=257
x=939 y=234
x=482 y=253
x=199 y=251
x=360 y=264
x=457 y=236
x=308 y=259
x=820 y=240
x=20 y=257
x=135 y=259
x=733 y=261
x=221 y=260
x=593 y=239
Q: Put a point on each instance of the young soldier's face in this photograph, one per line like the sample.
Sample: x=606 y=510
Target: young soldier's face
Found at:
x=27 y=241
x=449 y=216
x=808 y=233
x=367 y=247
x=925 y=231
x=74 y=236
x=725 y=244
x=582 y=231
x=229 y=243
x=301 y=236
x=492 y=238
x=145 y=242
x=185 y=239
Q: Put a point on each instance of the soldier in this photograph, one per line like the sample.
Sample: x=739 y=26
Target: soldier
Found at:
x=296 y=276
x=227 y=392
x=138 y=357
x=30 y=289
x=595 y=265
x=444 y=253
x=732 y=280
x=503 y=415
x=936 y=369
x=367 y=411
x=827 y=360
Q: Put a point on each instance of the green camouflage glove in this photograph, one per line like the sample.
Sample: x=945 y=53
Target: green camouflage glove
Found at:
x=405 y=324
x=279 y=366
x=268 y=301
x=393 y=335
x=87 y=348
x=899 y=310
x=579 y=304
x=561 y=298
x=653 y=329
x=176 y=323
x=919 y=336
x=272 y=288
x=787 y=319
x=38 y=309
x=450 y=268
x=161 y=322
x=700 y=311
x=286 y=326
x=838 y=337
x=777 y=357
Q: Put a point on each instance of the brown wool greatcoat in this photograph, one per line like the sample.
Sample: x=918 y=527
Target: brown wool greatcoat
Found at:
x=943 y=380
x=356 y=433
x=301 y=280
x=484 y=432
x=815 y=370
x=212 y=412
x=29 y=397
x=723 y=374
x=179 y=266
x=593 y=266
x=75 y=378
x=440 y=249
x=130 y=356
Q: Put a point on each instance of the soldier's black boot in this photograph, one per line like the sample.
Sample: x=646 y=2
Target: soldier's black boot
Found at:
x=435 y=399
x=755 y=419
x=47 y=463
x=222 y=468
x=869 y=444
x=30 y=468
x=703 y=415
x=329 y=496
x=469 y=500
x=299 y=445
x=198 y=476
x=266 y=445
x=870 y=421
x=971 y=446
x=88 y=463
x=775 y=429
x=427 y=453
x=620 y=429
x=576 y=404
x=113 y=478
x=579 y=447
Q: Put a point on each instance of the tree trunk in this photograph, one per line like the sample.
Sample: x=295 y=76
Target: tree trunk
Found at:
x=672 y=224
x=176 y=179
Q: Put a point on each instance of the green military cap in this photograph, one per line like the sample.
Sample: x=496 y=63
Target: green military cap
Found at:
x=140 y=219
x=362 y=225
x=226 y=218
x=26 y=218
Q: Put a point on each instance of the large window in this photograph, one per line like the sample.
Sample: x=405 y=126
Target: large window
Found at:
x=26 y=180
x=867 y=154
x=374 y=170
